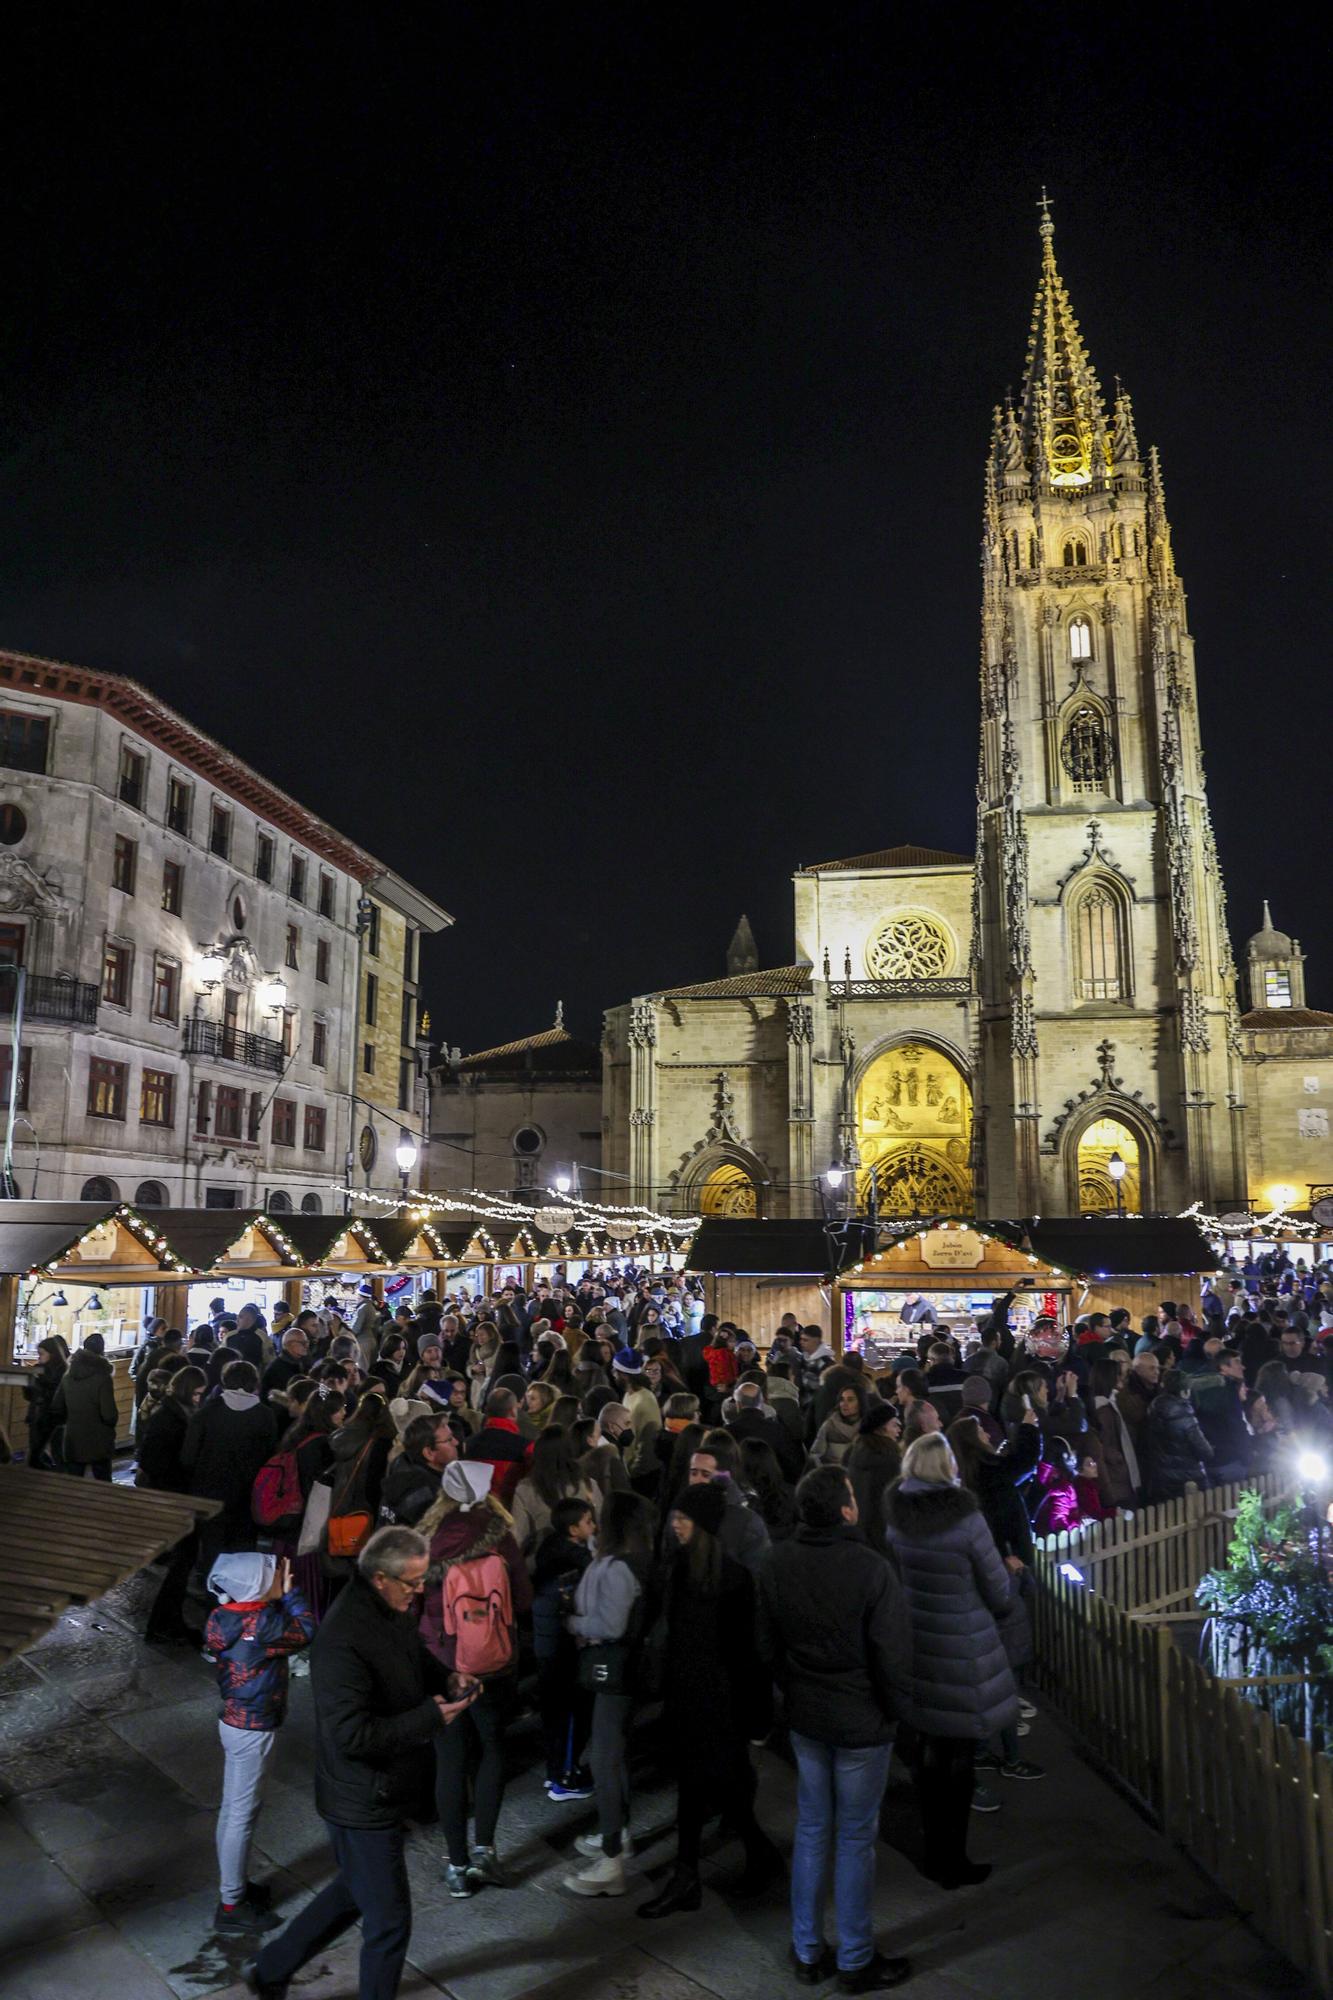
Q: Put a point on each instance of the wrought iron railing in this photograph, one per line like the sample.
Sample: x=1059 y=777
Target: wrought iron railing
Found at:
x=224 y=1044
x=49 y=998
x=899 y=989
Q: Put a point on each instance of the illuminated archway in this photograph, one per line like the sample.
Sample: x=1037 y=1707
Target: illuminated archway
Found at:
x=914 y=1131
x=1096 y=1184
x=728 y=1190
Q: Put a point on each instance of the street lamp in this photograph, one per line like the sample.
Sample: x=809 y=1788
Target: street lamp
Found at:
x=273 y=993
x=405 y=1153
x=834 y=1176
x=563 y=1183
x=1115 y=1167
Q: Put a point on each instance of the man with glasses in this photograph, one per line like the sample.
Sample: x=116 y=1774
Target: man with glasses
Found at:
x=380 y=1697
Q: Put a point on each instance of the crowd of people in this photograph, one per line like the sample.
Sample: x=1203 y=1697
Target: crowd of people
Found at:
x=599 y=1505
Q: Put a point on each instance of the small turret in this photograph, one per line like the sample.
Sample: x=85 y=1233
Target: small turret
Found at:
x=742 y=952
x=1276 y=967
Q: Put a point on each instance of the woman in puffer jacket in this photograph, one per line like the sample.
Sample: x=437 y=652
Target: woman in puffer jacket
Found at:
x=962 y=1688
x=1178 y=1451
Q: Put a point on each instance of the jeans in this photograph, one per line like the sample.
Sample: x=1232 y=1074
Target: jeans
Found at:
x=838 y=1795
x=566 y=1712
x=483 y=1723
x=246 y=1753
x=610 y=1773
x=371 y=1883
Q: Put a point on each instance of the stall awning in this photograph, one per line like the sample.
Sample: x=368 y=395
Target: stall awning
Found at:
x=67 y=1541
x=1147 y=1246
x=799 y=1247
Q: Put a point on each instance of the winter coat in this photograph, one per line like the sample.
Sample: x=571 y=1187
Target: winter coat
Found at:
x=39 y=1389
x=645 y=1417
x=605 y=1599
x=1109 y=1435
x=744 y=1535
x=1221 y=1417
x=721 y=1365
x=1179 y=1450
x=408 y=1490
x=500 y=1444
x=86 y=1401
x=1002 y=1482
x=463 y=1537
x=532 y=1516
x=557 y=1564
x=1089 y=1493
x=250 y=1644
x=956 y=1588
x=228 y=1439
x=834 y=1439
x=716 y=1695
x=161 y=1438
x=372 y=1680
x=359 y=1464
x=872 y=1467
x=833 y=1631
x=1058 y=1510
x=771 y=1430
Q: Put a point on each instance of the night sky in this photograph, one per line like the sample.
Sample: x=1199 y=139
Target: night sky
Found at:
x=549 y=442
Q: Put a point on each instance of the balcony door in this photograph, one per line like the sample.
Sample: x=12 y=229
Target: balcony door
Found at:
x=231 y=1023
x=13 y=938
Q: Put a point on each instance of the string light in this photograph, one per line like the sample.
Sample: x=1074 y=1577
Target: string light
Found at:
x=627 y=1221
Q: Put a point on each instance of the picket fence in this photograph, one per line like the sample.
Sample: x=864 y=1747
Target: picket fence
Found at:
x=1251 y=1802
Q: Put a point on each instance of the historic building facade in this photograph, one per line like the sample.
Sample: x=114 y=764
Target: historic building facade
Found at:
x=1054 y=1020
x=516 y=1118
x=219 y=990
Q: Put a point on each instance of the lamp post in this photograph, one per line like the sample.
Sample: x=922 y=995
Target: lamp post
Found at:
x=405 y=1153
x=562 y=1183
x=1115 y=1167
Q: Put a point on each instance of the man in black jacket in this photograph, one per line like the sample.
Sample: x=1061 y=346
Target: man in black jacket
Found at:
x=228 y=1439
x=380 y=1699
x=413 y=1480
x=833 y=1629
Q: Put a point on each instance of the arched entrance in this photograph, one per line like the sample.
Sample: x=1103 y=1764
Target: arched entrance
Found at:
x=1097 y=1144
x=727 y=1190
x=914 y=1131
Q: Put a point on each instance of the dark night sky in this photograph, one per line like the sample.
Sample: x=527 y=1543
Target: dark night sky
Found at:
x=549 y=442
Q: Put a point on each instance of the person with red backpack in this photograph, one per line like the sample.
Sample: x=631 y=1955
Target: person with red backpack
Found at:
x=477 y=1588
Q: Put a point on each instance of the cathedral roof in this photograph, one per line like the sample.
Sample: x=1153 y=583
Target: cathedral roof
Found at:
x=553 y=1049
x=783 y=982
x=891 y=857
x=1269 y=1018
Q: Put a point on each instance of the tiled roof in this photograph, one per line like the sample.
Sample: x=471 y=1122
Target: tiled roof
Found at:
x=554 y=1048
x=782 y=981
x=891 y=857
x=1286 y=1017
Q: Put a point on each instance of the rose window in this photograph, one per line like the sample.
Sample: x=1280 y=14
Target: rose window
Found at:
x=909 y=947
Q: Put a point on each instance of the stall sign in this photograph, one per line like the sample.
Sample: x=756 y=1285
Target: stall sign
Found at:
x=952 y=1249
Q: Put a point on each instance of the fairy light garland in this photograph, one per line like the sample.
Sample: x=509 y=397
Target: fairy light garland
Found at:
x=629 y=1221
x=1276 y=1223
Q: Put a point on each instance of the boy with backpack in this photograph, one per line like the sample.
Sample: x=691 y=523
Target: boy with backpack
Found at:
x=477 y=1587
x=566 y=1708
x=260 y=1622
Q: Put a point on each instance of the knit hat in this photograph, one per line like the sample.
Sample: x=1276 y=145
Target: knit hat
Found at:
x=704 y=1505
x=628 y=1361
x=242 y=1578
x=876 y=1418
x=976 y=1393
x=468 y=1481
x=404 y=1408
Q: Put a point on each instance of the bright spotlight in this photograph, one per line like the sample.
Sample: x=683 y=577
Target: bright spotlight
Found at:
x=833 y=1175
x=1313 y=1468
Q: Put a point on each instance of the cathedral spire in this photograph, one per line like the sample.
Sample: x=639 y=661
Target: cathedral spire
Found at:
x=1063 y=417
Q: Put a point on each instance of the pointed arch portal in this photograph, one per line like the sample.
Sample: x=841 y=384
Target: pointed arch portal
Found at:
x=914 y=1132
x=1096 y=1184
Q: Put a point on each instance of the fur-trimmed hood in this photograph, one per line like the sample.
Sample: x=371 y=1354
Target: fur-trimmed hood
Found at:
x=916 y=1509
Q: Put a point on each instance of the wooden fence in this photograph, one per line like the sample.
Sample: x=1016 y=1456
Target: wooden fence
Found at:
x=1251 y=1803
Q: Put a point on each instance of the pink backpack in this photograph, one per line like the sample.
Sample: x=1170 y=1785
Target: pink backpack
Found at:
x=276 y=1492
x=479 y=1615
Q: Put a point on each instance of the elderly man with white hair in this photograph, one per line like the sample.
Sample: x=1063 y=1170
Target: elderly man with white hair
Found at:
x=379 y=1700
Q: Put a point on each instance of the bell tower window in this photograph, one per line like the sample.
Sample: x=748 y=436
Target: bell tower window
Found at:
x=1080 y=639
x=1075 y=553
x=1085 y=752
x=1098 y=957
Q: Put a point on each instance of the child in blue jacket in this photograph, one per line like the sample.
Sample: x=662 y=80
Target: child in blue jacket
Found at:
x=259 y=1623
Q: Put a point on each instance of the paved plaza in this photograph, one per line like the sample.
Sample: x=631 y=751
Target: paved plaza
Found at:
x=109 y=1773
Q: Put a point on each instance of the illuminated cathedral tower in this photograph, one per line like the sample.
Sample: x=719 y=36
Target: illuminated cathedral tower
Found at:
x=1108 y=1030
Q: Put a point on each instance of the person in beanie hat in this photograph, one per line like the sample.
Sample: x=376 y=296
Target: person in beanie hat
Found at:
x=645 y=1416
x=872 y=1464
x=712 y=1679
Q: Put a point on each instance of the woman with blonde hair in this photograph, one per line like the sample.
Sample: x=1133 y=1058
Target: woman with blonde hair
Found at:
x=539 y=1399
x=962 y=1688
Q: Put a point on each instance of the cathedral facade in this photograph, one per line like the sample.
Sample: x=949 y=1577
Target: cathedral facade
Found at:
x=1002 y=1034
x=1052 y=1024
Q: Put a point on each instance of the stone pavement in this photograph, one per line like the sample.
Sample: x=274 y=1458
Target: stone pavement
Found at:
x=109 y=1772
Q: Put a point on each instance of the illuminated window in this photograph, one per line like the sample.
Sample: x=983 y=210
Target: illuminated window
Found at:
x=1085 y=752
x=1099 y=970
x=106 y=1088
x=157 y=1098
x=1277 y=987
x=117 y=967
x=1080 y=639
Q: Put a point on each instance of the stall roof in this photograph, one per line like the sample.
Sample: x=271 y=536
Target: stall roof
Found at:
x=315 y=1235
x=200 y=1237
x=1136 y=1245
x=37 y=1232
x=785 y=1247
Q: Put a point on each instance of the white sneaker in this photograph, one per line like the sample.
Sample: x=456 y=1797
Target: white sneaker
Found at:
x=591 y=1845
x=603 y=1877
x=1027 y=1710
x=1024 y=1729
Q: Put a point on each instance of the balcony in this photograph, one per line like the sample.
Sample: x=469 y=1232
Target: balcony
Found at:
x=46 y=998
x=899 y=989
x=223 y=1044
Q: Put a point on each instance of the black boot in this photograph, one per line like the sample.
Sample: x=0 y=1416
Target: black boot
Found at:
x=955 y=1803
x=763 y=1864
x=682 y=1892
